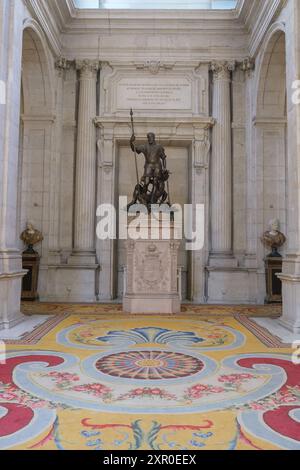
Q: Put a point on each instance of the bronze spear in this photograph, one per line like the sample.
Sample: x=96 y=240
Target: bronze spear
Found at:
x=136 y=165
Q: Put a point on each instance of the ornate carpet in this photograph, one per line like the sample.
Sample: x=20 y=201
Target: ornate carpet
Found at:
x=148 y=382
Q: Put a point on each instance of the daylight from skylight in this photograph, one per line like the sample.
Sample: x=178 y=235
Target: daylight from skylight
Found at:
x=158 y=4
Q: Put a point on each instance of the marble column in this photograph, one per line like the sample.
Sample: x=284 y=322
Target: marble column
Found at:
x=61 y=67
x=221 y=164
x=85 y=182
x=11 y=272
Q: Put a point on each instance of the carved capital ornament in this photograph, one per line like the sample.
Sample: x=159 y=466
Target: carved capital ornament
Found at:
x=87 y=68
x=222 y=69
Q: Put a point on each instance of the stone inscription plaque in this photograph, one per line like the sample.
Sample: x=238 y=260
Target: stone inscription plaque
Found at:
x=154 y=93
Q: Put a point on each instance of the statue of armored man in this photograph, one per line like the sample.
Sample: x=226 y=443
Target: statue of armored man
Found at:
x=151 y=189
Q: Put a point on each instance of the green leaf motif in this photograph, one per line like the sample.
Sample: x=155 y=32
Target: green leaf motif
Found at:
x=152 y=435
x=138 y=434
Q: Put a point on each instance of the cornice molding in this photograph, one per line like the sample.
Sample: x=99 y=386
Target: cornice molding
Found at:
x=38 y=118
x=249 y=20
x=267 y=121
x=72 y=19
x=203 y=122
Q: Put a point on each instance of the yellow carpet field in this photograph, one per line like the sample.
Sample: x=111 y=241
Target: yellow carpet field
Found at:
x=110 y=382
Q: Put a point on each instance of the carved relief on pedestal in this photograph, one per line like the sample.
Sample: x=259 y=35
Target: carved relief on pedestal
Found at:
x=151 y=268
x=151 y=276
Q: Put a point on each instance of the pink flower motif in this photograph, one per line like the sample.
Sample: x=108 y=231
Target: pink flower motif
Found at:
x=234 y=378
x=138 y=391
x=12 y=388
x=199 y=388
x=95 y=389
x=8 y=396
x=146 y=391
x=216 y=390
x=288 y=399
x=98 y=387
x=38 y=404
x=156 y=391
x=245 y=376
x=194 y=394
x=256 y=406
x=64 y=377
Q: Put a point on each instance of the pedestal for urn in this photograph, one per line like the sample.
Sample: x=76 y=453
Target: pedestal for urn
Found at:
x=151 y=273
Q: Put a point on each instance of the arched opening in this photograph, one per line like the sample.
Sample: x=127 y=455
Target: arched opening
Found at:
x=271 y=121
x=36 y=120
x=271 y=98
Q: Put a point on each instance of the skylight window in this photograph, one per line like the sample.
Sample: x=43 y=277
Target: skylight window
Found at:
x=158 y=4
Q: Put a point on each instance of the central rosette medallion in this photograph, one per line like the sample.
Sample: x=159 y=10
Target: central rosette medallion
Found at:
x=153 y=365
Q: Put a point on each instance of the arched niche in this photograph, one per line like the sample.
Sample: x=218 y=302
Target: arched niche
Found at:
x=270 y=124
x=271 y=93
x=36 y=128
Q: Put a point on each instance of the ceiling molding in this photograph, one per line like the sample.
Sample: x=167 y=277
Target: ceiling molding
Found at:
x=72 y=19
x=249 y=21
x=261 y=19
x=48 y=22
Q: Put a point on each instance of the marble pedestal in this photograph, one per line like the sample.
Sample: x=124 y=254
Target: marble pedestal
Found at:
x=151 y=282
x=11 y=274
x=291 y=302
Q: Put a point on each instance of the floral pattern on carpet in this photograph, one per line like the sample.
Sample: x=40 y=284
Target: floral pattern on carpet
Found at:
x=149 y=383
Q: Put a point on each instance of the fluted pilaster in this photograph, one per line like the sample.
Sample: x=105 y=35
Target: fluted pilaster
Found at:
x=85 y=190
x=221 y=165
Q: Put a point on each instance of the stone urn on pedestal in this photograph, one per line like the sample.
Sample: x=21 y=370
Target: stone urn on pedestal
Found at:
x=273 y=239
x=30 y=262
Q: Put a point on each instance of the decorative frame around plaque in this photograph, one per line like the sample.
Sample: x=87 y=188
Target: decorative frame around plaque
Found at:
x=195 y=78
